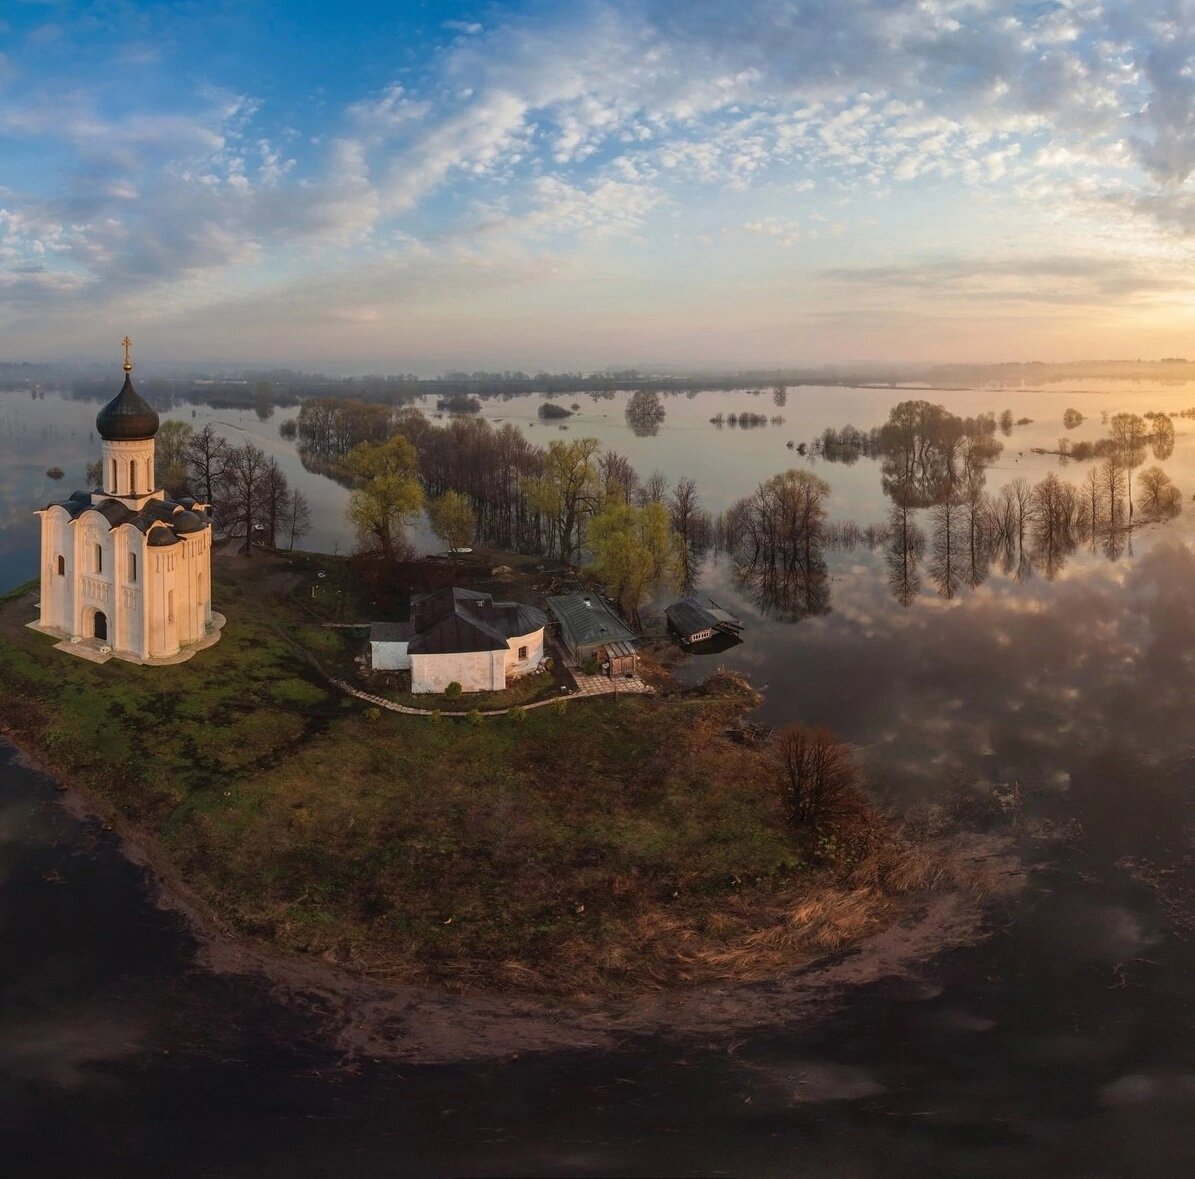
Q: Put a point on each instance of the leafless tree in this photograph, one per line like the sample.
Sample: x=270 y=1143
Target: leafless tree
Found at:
x=296 y=517
x=207 y=458
x=816 y=773
x=653 y=490
x=1112 y=483
x=906 y=544
x=618 y=477
x=245 y=468
x=273 y=490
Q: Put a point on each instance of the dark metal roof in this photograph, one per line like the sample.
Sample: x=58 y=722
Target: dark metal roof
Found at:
x=455 y=621
x=154 y=511
x=127 y=417
x=689 y=617
x=390 y=632
x=161 y=537
x=187 y=521
x=586 y=619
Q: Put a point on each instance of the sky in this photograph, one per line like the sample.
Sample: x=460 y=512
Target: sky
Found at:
x=418 y=187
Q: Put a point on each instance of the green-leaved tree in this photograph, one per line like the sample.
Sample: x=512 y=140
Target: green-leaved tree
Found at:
x=388 y=493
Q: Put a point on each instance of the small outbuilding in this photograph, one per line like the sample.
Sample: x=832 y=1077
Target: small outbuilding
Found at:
x=694 y=621
x=461 y=636
x=591 y=629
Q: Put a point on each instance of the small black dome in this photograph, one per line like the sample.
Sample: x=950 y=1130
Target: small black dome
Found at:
x=186 y=522
x=127 y=417
x=160 y=537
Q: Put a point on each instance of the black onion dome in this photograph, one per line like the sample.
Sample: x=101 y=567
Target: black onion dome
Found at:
x=185 y=522
x=127 y=417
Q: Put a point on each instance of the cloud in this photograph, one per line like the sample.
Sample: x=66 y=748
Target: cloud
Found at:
x=629 y=117
x=1048 y=279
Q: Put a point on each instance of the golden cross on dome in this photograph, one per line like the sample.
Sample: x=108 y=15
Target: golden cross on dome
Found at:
x=126 y=344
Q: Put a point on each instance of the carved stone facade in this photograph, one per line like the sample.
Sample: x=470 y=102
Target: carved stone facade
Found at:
x=124 y=568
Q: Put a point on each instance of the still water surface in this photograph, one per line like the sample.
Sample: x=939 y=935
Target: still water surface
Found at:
x=1061 y=1046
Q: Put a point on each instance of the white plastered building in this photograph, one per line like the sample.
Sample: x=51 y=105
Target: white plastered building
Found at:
x=461 y=636
x=125 y=570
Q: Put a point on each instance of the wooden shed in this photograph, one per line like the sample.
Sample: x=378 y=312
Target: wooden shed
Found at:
x=591 y=629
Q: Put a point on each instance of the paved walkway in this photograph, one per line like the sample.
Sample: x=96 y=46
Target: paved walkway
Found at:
x=587 y=685
x=603 y=685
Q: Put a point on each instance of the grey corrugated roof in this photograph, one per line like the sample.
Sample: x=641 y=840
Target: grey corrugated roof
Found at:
x=588 y=618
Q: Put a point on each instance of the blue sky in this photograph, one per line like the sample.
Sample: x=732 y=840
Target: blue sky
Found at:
x=573 y=185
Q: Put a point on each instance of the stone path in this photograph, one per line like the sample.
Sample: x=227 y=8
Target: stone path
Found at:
x=587 y=685
x=603 y=685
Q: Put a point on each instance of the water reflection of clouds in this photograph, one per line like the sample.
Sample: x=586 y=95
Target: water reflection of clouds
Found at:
x=1035 y=683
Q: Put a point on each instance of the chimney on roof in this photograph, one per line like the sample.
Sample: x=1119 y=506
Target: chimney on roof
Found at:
x=588 y=604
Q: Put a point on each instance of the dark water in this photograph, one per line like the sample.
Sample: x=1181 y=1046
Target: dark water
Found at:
x=1063 y=1045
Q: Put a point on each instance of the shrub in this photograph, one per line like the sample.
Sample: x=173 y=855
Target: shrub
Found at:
x=590 y=666
x=474 y=717
x=517 y=716
x=560 y=707
x=373 y=714
x=453 y=691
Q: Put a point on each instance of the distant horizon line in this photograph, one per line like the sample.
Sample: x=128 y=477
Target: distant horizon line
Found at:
x=226 y=368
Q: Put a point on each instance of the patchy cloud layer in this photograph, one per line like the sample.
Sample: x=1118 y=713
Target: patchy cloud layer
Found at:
x=595 y=182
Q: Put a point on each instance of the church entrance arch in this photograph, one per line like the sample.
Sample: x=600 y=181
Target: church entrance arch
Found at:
x=100 y=626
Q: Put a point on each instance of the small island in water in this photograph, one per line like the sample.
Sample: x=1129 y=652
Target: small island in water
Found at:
x=591 y=847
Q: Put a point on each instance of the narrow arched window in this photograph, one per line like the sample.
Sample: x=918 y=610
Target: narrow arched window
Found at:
x=170 y=605
x=132 y=476
x=115 y=489
x=61 y=566
x=132 y=566
x=99 y=559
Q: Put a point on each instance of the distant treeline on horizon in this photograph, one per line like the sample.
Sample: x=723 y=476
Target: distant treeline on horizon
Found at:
x=282 y=387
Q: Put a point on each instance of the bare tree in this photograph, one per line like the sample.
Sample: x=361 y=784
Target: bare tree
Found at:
x=273 y=490
x=207 y=457
x=1021 y=494
x=816 y=772
x=1158 y=493
x=617 y=477
x=1093 y=498
x=1112 y=483
x=296 y=516
x=244 y=469
x=653 y=490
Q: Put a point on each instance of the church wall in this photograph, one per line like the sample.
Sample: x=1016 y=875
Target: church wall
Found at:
x=57 y=540
x=162 y=599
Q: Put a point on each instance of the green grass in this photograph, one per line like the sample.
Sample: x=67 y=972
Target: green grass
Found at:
x=578 y=850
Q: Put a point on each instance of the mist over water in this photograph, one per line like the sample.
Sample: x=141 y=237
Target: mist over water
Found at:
x=1060 y=1046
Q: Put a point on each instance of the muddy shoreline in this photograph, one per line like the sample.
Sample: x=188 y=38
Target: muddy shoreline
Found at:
x=372 y=1020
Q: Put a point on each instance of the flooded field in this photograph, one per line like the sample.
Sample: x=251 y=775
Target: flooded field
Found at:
x=1052 y=701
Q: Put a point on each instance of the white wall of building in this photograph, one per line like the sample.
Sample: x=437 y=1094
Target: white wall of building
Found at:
x=534 y=643
x=475 y=671
x=389 y=655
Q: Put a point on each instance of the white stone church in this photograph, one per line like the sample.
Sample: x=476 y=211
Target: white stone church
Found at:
x=126 y=571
